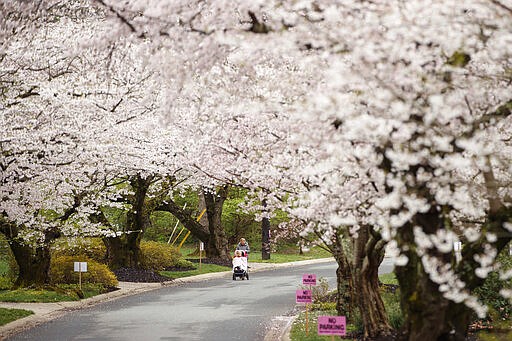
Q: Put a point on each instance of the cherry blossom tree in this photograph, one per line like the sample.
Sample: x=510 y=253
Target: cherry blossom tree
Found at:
x=63 y=110
x=433 y=108
x=373 y=121
x=422 y=86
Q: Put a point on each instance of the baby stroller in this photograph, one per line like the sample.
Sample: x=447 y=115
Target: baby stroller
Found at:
x=240 y=265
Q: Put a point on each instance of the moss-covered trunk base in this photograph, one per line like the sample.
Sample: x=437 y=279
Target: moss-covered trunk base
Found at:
x=33 y=263
x=123 y=251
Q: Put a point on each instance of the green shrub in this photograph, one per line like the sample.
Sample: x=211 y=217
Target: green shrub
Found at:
x=389 y=278
x=324 y=306
x=185 y=264
x=158 y=256
x=88 y=289
x=489 y=292
x=8 y=266
x=62 y=271
x=392 y=303
x=7 y=273
x=91 y=248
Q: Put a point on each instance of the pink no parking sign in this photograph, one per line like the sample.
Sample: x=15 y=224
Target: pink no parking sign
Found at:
x=332 y=325
x=309 y=279
x=303 y=296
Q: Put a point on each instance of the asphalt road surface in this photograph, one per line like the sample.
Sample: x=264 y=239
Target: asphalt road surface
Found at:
x=218 y=309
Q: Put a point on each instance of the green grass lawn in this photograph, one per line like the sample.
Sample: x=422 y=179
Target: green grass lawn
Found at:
x=284 y=256
x=205 y=268
x=9 y=315
x=62 y=293
x=389 y=278
x=314 y=253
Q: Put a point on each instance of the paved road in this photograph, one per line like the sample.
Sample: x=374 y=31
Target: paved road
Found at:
x=219 y=309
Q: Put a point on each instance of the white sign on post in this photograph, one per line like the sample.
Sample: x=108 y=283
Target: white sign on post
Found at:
x=457 y=246
x=80 y=266
x=201 y=246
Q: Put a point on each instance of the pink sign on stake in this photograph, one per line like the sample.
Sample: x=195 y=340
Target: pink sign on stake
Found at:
x=332 y=325
x=309 y=279
x=303 y=296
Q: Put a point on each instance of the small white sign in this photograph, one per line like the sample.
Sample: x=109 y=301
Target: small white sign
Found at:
x=80 y=266
x=201 y=246
x=457 y=246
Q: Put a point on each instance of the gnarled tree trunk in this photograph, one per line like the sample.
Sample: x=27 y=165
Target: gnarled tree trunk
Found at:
x=368 y=255
x=124 y=250
x=33 y=263
x=33 y=260
x=358 y=281
x=345 y=286
x=217 y=242
x=209 y=229
x=186 y=219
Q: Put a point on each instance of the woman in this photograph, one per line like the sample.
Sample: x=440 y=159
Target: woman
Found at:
x=243 y=246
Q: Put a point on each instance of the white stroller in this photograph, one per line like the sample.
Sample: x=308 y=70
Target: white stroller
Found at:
x=240 y=265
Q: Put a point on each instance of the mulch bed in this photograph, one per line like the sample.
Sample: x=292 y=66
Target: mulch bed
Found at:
x=139 y=276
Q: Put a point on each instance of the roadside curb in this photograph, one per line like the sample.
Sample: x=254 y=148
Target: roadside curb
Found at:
x=44 y=312
x=280 y=329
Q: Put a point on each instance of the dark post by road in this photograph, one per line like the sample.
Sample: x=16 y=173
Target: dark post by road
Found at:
x=265 y=236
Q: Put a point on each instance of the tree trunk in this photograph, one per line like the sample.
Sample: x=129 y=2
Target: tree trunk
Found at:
x=123 y=251
x=217 y=246
x=201 y=205
x=370 y=305
x=265 y=235
x=184 y=216
x=368 y=255
x=345 y=292
x=358 y=282
x=33 y=263
x=428 y=315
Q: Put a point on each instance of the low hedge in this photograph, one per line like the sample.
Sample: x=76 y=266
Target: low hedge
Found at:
x=62 y=272
x=158 y=256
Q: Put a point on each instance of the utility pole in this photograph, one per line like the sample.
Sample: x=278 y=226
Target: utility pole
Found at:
x=265 y=234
